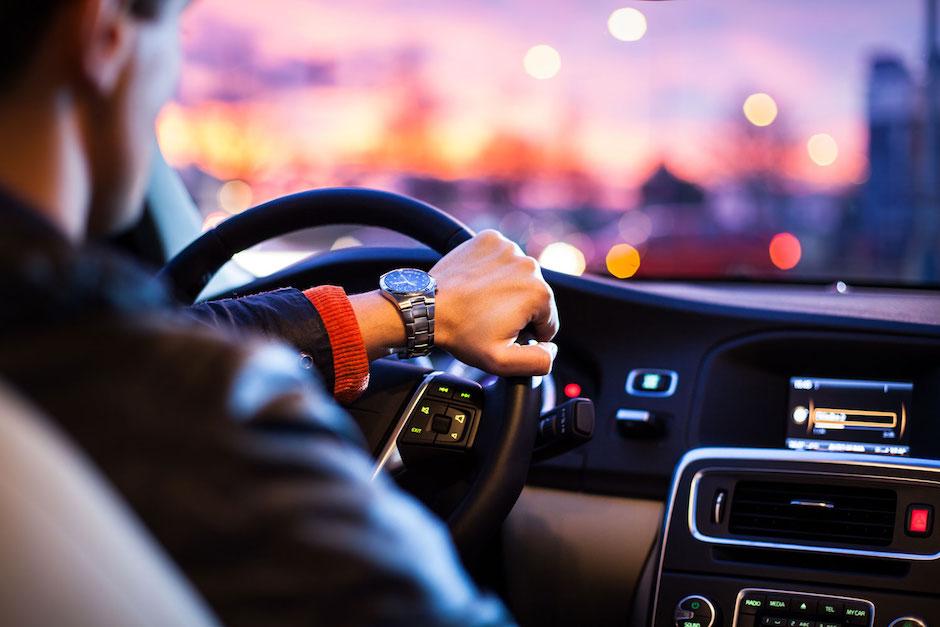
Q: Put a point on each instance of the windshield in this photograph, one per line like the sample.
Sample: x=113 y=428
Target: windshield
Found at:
x=711 y=139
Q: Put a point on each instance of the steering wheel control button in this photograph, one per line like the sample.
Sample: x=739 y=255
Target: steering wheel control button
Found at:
x=694 y=611
x=753 y=603
x=652 y=382
x=440 y=424
x=458 y=420
x=419 y=428
x=918 y=523
x=467 y=395
x=441 y=390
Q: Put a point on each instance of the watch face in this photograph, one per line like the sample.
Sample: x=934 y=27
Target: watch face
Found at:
x=406 y=281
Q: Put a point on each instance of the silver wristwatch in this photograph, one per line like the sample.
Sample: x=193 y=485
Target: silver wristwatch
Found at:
x=413 y=292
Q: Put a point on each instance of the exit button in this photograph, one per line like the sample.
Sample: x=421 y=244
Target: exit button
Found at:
x=919 y=520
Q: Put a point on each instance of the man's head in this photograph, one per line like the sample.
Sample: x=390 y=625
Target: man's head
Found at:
x=102 y=69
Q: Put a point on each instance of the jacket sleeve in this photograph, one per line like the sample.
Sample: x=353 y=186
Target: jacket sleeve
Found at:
x=286 y=315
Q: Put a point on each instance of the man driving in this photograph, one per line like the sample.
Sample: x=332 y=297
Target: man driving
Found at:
x=240 y=464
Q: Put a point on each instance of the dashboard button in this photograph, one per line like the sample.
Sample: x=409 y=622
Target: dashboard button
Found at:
x=752 y=603
x=830 y=609
x=919 y=520
x=857 y=614
x=652 y=382
x=801 y=622
x=778 y=604
x=907 y=621
x=802 y=606
x=701 y=609
x=774 y=621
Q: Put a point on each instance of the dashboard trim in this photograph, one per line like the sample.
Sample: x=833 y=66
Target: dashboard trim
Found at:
x=390 y=449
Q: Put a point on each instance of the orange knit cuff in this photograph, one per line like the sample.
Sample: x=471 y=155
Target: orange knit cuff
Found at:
x=350 y=360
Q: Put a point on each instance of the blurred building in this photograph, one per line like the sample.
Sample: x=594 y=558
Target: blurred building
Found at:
x=890 y=194
x=900 y=221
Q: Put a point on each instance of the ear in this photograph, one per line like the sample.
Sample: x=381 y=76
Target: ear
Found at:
x=108 y=34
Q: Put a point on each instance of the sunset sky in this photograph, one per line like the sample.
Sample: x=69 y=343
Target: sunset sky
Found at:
x=288 y=94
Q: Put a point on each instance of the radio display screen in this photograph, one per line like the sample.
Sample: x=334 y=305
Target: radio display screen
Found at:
x=849 y=416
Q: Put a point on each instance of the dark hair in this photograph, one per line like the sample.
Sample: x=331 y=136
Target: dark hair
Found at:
x=23 y=24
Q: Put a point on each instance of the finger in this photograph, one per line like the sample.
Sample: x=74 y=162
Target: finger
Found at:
x=517 y=360
x=545 y=321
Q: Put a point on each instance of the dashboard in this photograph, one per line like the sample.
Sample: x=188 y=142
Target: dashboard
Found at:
x=813 y=405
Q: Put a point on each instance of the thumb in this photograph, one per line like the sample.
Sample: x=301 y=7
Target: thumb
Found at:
x=526 y=359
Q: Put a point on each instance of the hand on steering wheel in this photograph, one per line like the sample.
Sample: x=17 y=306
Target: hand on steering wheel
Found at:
x=489 y=291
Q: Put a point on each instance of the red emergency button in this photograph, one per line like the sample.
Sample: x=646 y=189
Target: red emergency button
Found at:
x=919 y=522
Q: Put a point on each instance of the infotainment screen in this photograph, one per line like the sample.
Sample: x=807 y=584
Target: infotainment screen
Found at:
x=849 y=416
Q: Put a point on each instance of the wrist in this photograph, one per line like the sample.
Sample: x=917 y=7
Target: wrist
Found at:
x=442 y=325
x=380 y=323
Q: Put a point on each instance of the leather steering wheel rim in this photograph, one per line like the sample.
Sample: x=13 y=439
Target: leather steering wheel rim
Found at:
x=501 y=476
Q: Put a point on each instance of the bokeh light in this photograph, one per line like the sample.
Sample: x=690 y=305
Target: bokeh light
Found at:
x=572 y=390
x=623 y=260
x=563 y=257
x=822 y=149
x=542 y=62
x=635 y=227
x=235 y=196
x=785 y=251
x=760 y=109
x=627 y=24
x=214 y=219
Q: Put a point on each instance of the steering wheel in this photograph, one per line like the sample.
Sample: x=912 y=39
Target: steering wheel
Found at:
x=471 y=479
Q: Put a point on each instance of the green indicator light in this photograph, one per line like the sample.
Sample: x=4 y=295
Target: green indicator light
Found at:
x=417 y=430
x=443 y=388
x=650 y=381
x=695 y=605
x=465 y=395
x=425 y=409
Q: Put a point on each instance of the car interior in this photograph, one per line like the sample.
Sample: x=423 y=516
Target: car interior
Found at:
x=720 y=442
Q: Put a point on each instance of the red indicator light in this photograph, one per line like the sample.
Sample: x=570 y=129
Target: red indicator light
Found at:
x=919 y=521
x=572 y=390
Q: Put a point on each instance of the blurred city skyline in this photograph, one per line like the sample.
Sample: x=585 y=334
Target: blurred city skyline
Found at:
x=433 y=98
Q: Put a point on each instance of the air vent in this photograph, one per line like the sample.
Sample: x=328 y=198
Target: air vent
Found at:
x=813 y=513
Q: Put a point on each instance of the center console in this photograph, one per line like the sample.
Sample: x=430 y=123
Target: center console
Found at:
x=806 y=537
